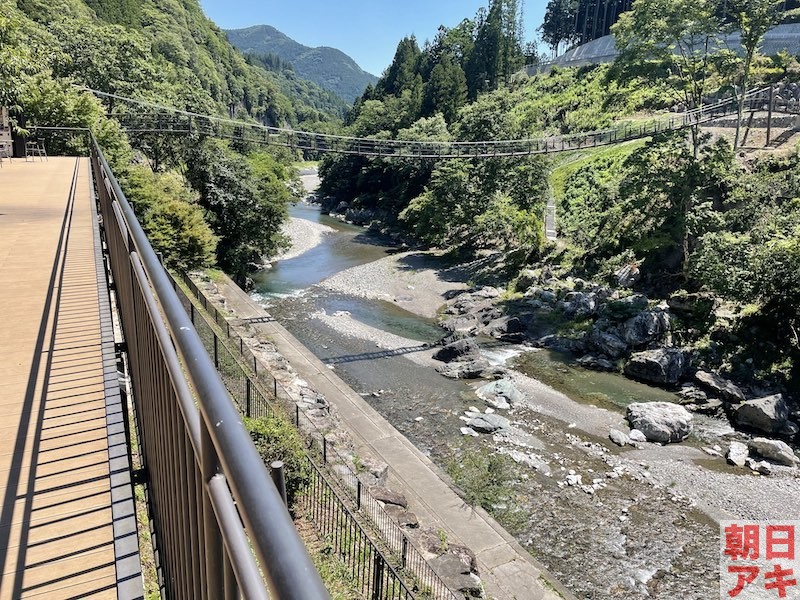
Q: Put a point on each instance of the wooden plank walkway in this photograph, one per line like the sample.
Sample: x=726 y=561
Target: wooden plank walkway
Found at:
x=67 y=528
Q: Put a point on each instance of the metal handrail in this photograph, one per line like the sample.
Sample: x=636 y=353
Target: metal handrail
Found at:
x=229 y=462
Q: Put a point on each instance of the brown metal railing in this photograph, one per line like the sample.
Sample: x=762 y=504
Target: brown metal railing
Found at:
x=221 y=526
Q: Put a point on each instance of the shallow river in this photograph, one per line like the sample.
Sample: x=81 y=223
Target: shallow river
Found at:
x=289 y=290
x=600 y=549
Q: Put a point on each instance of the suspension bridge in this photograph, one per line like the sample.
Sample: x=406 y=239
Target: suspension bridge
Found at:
x=139 y=117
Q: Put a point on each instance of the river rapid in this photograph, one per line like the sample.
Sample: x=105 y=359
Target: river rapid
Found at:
x=608 y=522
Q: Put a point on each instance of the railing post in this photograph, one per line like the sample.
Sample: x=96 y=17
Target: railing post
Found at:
x=213 y=540
x=404 y=552
x=297 y=415
x=248 y=395
x=324 y=450
x=358 y=494
x=275 y=388
x=276 y=471
x=191 y=312
x=377 y=577
x=216 y=351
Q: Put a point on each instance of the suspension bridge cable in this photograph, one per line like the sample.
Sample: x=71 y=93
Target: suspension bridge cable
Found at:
x=175 y=121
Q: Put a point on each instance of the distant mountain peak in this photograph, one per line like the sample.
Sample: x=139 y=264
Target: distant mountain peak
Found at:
x=328 y=67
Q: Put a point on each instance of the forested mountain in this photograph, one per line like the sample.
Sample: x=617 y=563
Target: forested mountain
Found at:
x=329 y=68
x=201 y=201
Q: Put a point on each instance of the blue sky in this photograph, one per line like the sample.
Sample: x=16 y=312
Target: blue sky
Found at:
x=367 y=30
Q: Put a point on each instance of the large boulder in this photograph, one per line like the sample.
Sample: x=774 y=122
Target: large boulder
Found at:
x=488 y=423
x=469 y=369
x=774 y=450
x=456 y=575
x=526 y=279
x=579 y=304
x=501 y=392
x=697 y=306
x=767 y=414
x=720 y=387
x=627 y=275
x=645 y=327
x=662 y=422
x=467 y=324
x=464 y=349
x=504 y=326
x=388 y=496
x=359 y=216
x=662 y=366
x=624 y=308
x=607 y=343
x=596 y=363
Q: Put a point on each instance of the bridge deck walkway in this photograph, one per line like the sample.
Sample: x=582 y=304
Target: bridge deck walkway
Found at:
x=67 y=528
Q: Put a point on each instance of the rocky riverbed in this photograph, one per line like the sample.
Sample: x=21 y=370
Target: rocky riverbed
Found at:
x=611 y=518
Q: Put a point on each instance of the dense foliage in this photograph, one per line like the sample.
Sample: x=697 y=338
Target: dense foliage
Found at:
x=201 y=201
x=496 y=203
x=277 y=439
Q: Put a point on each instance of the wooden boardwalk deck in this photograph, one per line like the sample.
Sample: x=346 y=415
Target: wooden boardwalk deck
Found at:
x=67 y=528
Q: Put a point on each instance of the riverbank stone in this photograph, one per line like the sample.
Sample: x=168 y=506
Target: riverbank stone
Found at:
x=645 y=327
x=719 y=386
x=767 y=414
x=637 y=436
x=737 y=454
x=489 y=423
x=472 y=369
x=619 y=438
x=500 y=394
x=661 y=366
x=774 y=450
x=606 y=342
x=463 y=349
x=662 y=422
x=625 y=308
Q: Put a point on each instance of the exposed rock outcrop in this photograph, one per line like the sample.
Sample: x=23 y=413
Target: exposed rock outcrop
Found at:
x=462 y=350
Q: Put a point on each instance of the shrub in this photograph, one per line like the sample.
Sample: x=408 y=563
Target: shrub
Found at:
x=277 y=439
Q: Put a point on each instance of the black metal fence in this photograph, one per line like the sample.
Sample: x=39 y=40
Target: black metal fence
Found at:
x=258 y=393
x=222 y=528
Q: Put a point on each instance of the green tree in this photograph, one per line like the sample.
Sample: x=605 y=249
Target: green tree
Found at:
x=753 y=19
x=401 y=73
x=446 y=90
x=171 y=218
x=245 y=205
x=679 y=35
x=558 y=26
